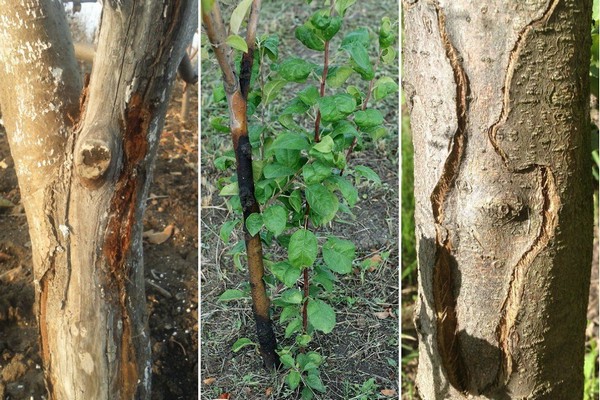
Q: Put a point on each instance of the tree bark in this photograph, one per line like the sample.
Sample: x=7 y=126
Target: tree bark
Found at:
x=498 y=95
x=84 y=168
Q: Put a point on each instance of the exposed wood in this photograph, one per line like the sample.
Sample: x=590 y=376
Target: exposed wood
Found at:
x=84 y=169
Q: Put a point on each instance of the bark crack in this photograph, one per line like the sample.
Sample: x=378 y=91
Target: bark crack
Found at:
x=444 y=299
x=506 y=328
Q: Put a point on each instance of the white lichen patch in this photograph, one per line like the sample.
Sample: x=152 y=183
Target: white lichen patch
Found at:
x=64 y=230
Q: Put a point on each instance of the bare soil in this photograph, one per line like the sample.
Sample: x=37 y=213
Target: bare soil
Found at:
x=170 y=270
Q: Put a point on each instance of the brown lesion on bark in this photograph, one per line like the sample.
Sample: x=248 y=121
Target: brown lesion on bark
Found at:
x=118 y=236
x=512 y=303
x=444 y=298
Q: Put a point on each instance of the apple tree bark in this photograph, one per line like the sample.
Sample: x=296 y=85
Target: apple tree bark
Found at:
x=84 y=159
x=498 y=95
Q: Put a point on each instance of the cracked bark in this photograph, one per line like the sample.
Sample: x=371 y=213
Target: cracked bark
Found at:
x=498 y=100
x=84 y=168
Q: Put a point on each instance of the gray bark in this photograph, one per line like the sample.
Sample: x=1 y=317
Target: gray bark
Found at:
x=84 y=168
x=498 y=95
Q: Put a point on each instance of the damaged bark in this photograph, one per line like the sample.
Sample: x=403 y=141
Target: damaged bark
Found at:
x=84 y=169
x=498 y=95
x=236 y=91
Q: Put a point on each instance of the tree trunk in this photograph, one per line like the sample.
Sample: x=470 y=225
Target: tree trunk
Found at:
x=84 y=168
x=498 y=95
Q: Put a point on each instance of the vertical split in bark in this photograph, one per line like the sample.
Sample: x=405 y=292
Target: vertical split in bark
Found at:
x=237 y=93
x=445 y=264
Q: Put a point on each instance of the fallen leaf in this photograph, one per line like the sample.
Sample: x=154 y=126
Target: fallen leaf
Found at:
x=159 y=237
x=388 y=392
x=269 y=391
x=223 y=396
x=382 y=314
x=209 y=381
x=3 y=164
x=5 y=203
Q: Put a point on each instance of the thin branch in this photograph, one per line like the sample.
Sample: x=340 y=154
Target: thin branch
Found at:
x=248 y=57
x=215 y=30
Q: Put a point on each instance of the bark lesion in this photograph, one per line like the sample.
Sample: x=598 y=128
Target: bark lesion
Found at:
x=445 y=262
x=512 y=303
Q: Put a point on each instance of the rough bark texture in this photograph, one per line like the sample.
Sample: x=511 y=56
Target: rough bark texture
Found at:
x=84 y=169
x=498 y=96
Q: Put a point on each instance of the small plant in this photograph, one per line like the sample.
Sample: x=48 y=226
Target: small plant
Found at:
x=301 y=176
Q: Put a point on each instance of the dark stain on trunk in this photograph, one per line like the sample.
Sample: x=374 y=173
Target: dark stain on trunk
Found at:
x=119 y=230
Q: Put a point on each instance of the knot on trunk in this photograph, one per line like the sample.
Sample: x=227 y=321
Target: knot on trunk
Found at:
x=92 y=160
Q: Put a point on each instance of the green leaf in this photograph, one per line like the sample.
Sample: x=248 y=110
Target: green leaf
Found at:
x=275 y=219
x=338 y=255
x=240 y=343
x=383 y=87
x=254 y=223
x=276 y=170
x=337 y=76
x=303 y=340
x=272 y=89
x=336 y=107
x=342 y=5
x=321 y=315
x=292 y=296
x=289 y=312
x=347 y=189
x=328 y=25
x=289 y=158
x=237 y=42
x=294 y=326
x=257 y=169
x=287 y=360
x=360 y=60
x=293 y=379
x=368 y=173
x=325 y=278
x=309 y=96
x=388 y=55
x=325 y=145
x=296 y=106
x=227 y=228
x=305 y=362
x=207 y=6
x=386 y=35
x=237 y=16
x=295 y=69
x=291 y=141
x=309 y=38
x=224 y=162
x=286 y=273
x=271 y=46
x=322 y=202
x=232 y=294
x=302 y=251
x=219 y=124
x=306 y=393
x=229 y=190
x=356 y=93
x=295 y=200
x=359 y=36
x=315 y=173
x=368 y=119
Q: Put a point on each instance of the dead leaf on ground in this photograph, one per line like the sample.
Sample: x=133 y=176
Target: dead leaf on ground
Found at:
x=388 y=392
x=159 y=237
x=5 y=203
x=269 y=391
x=223 y=396
x=384 y=314
x=209 y=381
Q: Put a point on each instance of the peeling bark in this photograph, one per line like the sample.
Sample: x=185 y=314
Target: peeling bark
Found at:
x=84 y=169
x=498 y=100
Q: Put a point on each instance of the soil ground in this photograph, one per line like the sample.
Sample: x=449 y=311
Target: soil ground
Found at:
x=362 y=351
x=170 y=269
